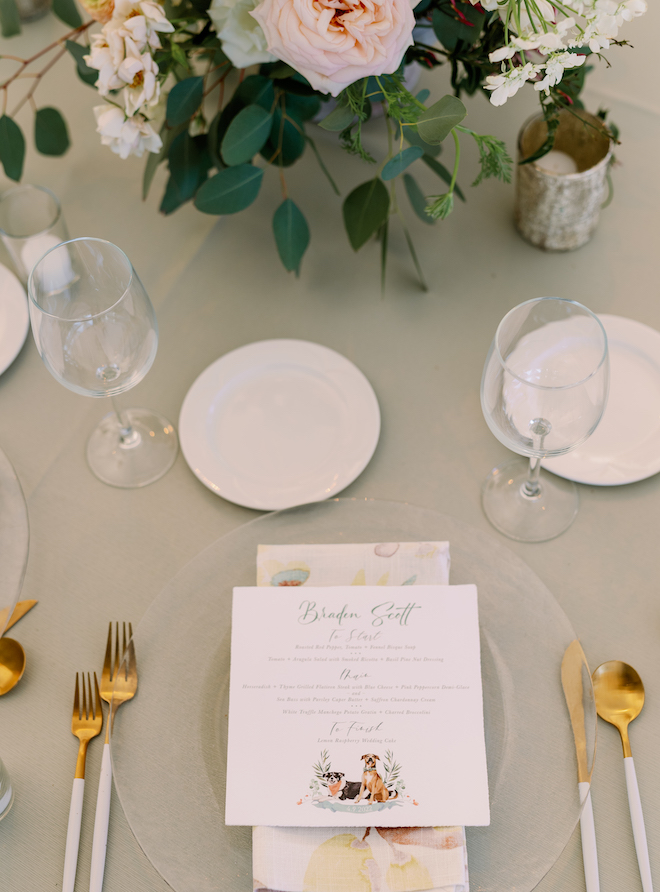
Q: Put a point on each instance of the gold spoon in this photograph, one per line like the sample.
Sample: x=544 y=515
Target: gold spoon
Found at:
x=12 y=664
x=12 y=655
x=619 y=694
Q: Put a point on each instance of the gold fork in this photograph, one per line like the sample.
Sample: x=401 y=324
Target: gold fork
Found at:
x=118 y=684
x=85 y=724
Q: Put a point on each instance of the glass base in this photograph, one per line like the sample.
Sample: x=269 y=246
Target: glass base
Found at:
x=528 y=519
x=143 y=457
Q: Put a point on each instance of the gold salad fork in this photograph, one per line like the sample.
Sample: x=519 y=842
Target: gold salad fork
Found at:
x=86 y=723
x=118 y=684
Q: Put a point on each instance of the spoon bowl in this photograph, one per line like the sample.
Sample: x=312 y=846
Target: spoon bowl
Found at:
x=12 y=664
x=619 y=693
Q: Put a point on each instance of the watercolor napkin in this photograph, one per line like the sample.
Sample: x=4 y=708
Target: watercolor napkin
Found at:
x=385 y=859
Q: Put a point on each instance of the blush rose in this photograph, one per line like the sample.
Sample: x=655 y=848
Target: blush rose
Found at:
x=335 y=42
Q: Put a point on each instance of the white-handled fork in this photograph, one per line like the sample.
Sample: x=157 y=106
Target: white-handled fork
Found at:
x=86 y=723
x=118 y=684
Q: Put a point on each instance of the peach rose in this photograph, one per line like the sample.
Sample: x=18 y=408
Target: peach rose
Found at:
x=335 y=42
x=101 y=10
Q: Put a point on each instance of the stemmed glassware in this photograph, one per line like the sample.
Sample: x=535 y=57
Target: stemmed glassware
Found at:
x=543 y=392
x=96 y=331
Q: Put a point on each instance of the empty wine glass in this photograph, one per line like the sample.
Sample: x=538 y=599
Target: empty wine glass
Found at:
x=96 y=331
x=543 y=392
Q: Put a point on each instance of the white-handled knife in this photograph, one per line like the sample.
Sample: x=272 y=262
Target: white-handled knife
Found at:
x=572 y=671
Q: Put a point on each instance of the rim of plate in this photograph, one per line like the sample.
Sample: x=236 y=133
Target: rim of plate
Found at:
x=614 y=326
x=16 y=302
x=217 y=476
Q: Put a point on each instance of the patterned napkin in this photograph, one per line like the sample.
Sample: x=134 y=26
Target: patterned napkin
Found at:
x=354 y=859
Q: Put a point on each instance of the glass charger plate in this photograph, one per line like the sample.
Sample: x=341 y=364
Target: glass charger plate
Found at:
x=169 y=746
x=14 y=539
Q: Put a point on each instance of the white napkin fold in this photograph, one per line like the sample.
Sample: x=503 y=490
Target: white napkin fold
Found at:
x=385 y=859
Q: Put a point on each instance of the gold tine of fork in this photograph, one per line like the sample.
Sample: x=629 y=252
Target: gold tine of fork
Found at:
x=118 y=686
x=86 y=722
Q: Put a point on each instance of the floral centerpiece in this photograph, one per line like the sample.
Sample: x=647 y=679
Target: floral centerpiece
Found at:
x=224 y=91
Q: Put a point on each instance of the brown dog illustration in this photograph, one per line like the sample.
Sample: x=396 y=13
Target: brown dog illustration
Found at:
x=372 y=782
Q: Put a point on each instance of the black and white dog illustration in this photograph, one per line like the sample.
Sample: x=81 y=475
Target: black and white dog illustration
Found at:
x=339 y=788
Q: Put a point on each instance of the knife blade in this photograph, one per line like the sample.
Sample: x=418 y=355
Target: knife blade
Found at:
x=18 y=613
x=572 y=670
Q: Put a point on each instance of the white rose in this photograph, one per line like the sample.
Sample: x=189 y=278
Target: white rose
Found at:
x=125 y=136
x=139 y=73
x=243 y=40
x=140 y=20
x=107 y=54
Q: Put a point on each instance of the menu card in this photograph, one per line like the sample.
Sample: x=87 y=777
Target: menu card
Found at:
x=356 y=706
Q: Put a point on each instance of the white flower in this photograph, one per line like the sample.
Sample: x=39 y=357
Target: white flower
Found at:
x=505 y=85
x=125 y=136
x=140 y=20
x=107 y=54
x=554 y=69
x=243 y=39
x=139 y=73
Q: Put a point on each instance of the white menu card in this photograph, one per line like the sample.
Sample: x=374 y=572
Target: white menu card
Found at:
x=356 y=706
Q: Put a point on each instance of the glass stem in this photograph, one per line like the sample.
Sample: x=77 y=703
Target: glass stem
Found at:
x=532 y=486
x=127 y=436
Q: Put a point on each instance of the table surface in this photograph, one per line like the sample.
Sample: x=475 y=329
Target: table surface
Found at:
x=100 y=554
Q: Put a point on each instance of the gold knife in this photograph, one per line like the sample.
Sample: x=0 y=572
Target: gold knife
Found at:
x=19 y=612
x=572 y=666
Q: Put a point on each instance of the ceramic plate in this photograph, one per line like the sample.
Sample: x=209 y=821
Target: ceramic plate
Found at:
x=625 y=446
x=14 y=317
x=169 y=749
x=279 y=423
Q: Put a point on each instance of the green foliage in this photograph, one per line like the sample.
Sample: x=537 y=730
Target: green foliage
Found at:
x=12 y=148
x=339 y=118
x=67 y=11
x=416 y=198
x=452 y=27
x=10 y=22
x=85 y=73
x=51 y=136
x=441 y=207
x=494 y=159
x=186 y=165
x=439 y=120
x=291 y=234
x=401 y=162
x=443 y=173
x=184 y=99
x=286 y=142
x=257 y=90
x=246 y=135
x=365 y=210
x=230 y=190
x=167 y=135
x=411 y=135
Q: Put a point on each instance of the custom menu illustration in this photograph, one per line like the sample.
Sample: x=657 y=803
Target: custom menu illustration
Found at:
x=356 y=706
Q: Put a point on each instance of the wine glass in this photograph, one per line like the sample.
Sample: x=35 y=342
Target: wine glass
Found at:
x=543 y=392
x=31 y=223
x=96 y=331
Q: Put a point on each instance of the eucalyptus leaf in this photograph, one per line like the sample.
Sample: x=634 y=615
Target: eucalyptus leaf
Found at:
x=230 y=190
x=339 y=118
x=416 y=198
x=438 y=121
x=423 y=95
x=412 y=136
x=257 y=90
x=172 y=198
x=365 y=210
x=167 y=135
x=184 y=99
x=10 y=21
x=184 y=163
x=85 y=73
x=302 y=108
x=67 y=11
x=401 y=161
x=51 y=136
x=291 y=234
x=12 y=148
x=290 y=135
x=449 y=29
x=246 y=135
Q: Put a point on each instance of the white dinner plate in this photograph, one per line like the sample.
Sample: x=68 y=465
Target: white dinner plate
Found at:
x=14 y=317
x=279 y=423
x=625 y=447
